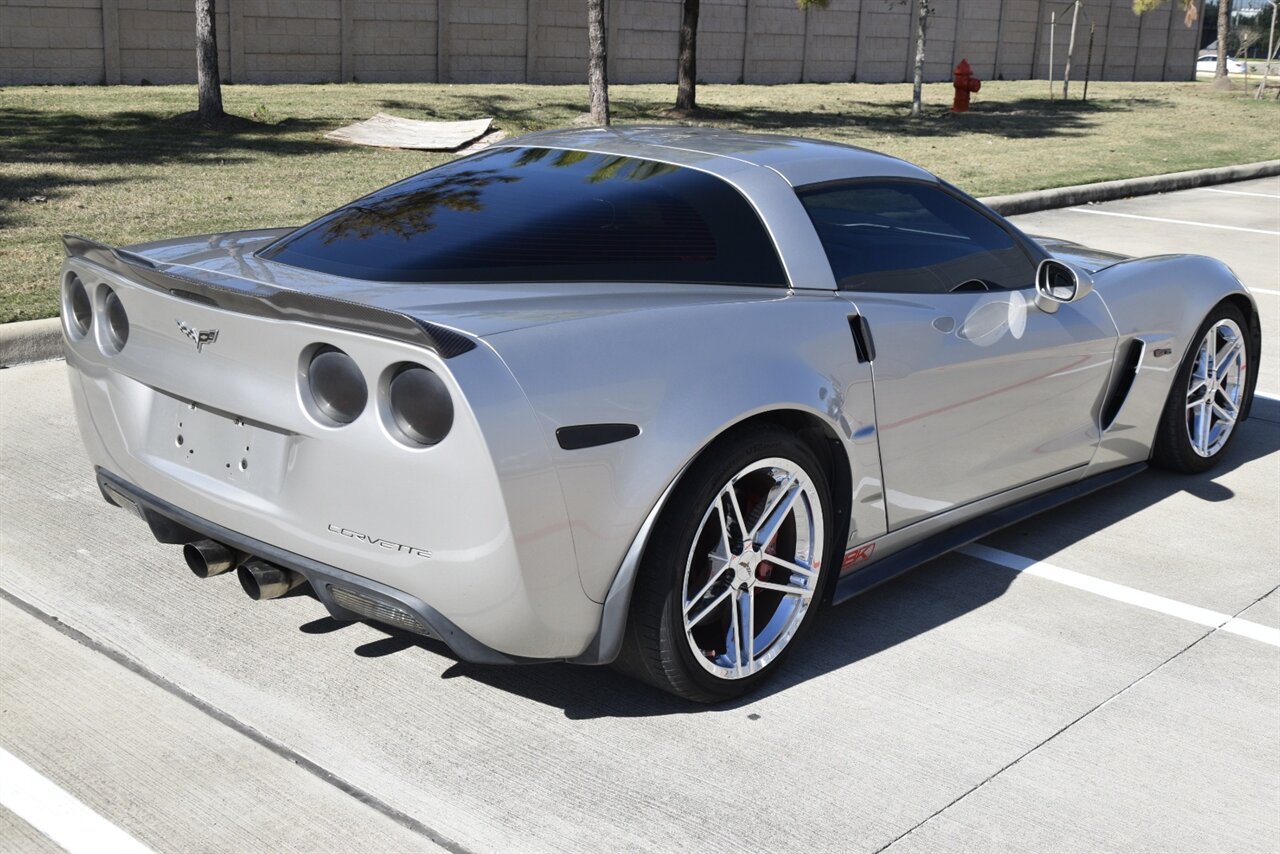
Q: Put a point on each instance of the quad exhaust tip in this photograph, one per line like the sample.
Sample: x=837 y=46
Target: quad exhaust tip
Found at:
x=208 y=558
x=262 y=580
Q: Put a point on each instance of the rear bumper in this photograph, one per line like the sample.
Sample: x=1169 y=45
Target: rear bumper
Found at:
x=374 y=600
x=475 y=525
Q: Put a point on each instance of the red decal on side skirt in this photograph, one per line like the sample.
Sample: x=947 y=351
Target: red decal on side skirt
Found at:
x=856 y=556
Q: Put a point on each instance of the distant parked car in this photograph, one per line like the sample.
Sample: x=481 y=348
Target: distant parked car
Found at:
x=1209 y=62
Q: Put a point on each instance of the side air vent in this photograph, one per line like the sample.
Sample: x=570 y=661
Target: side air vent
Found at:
x=1129 y=362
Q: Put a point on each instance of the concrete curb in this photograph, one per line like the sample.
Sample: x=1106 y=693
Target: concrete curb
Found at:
x=41 y=340
x=30 y=341
x=1106 y=191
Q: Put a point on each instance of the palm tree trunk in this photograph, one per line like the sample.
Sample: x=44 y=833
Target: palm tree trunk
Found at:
x=207 y=80
x=1224 y=24
x=922 y=24
x=687 y=64
x=597 y=74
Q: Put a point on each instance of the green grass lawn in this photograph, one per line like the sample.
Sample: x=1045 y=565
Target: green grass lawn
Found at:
x=107 y=163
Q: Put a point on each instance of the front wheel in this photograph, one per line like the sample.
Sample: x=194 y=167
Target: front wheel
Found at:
x=1207 y=397
x=733 y=569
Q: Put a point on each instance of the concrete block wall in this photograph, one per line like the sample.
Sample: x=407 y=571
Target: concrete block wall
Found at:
x=157 y=41
x=289 y=41
x=50 y=41
x=831 y=46
x=487 y=40
x=558 y=46
x=545 y=41
x=393 y=42
x=722 y=27
x=645 y=40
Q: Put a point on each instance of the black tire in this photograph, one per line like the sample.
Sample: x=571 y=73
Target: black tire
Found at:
x=656 y=648
x=1173 y=448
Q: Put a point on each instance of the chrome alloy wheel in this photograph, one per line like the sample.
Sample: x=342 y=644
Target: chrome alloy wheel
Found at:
x=753 y=569
x=1215 y=390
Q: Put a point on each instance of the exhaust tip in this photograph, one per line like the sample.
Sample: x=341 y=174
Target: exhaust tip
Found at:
x=207 y=558
x=262 y=580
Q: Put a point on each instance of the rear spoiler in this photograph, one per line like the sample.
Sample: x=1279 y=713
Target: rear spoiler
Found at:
x=262 y=300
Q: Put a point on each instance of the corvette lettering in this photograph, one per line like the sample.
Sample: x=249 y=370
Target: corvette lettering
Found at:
x=379 y=542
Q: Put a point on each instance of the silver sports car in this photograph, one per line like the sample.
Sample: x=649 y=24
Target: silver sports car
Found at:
x=641 y=396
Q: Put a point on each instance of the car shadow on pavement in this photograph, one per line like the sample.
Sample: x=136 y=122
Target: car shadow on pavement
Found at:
x=921 y=600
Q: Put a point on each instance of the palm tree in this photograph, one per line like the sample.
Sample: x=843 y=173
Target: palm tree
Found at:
x=597 y=76
x=687 y=60
x=922 y=25
x=207 y=81
x=1224 y=25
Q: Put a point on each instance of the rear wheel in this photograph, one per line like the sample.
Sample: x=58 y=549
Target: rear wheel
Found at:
x=733 y=569
x=1207 y=396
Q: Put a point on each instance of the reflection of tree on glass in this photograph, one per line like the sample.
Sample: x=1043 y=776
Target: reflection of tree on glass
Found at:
x=610 y=165
x=544 y=215
x=410 y=213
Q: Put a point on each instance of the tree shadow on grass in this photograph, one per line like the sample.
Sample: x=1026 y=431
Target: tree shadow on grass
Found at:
x=1024 y=118
x=509 y=113
x=38 y=188
x=38 y=136
x=70 y=146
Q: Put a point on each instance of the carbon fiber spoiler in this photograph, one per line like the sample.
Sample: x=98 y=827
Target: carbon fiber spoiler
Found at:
x=262 y=300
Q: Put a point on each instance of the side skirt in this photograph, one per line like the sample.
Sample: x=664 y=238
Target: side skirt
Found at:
x=938 y=544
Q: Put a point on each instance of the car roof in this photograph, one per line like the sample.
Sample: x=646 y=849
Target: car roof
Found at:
x=720 y=151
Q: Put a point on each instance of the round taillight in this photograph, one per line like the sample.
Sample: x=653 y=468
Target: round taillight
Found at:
x=420 y=404
x=80 y=309
x=117 y=320
x=336 y=384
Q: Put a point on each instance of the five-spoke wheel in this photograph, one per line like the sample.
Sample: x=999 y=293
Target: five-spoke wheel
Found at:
x=1208 y=396
x=750 y=575
x=1216 y=387
x=733 y=569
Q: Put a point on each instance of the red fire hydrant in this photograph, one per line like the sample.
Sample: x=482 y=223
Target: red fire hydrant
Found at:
x=965 y=83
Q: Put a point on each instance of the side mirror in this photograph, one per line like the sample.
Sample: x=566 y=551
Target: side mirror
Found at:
x=1058 y=283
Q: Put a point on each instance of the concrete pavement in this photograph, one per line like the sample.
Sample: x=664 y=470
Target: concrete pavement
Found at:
x=1238 y=223
x=963 y=706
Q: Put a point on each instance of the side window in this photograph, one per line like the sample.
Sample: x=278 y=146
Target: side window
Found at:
x=902 y=237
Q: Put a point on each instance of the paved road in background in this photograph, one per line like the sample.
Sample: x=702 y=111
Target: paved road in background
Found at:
x=1102 y=677
x=1238 y=223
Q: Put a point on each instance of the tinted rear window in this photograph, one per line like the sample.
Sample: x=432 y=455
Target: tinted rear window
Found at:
x=537 y=214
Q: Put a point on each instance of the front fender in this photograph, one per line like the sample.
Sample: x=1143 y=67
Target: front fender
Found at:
x=1159 y=303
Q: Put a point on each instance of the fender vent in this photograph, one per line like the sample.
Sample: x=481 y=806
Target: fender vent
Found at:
x=1124 y=381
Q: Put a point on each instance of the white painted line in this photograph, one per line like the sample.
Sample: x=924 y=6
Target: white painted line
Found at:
x=1264 y=291
x=1241 y=193
x=41 y=803
x=1275 y=398
x=1176 y=221
x=1128 y=595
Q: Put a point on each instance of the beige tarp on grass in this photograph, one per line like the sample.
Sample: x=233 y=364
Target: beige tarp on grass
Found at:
x=386 y=131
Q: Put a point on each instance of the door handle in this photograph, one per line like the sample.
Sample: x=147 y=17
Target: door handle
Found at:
x=863 y=344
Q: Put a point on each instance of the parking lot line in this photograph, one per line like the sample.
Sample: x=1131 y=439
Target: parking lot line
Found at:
x=1128 y=595
x=1175 y=221
x=1241 y=193
x=48 y=808
x=1264 y=291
